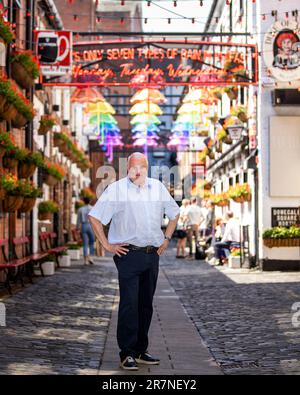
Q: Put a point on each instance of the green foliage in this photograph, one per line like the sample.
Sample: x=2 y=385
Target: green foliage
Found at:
x=282 y=233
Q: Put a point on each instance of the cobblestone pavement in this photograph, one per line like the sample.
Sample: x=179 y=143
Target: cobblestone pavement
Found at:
x=244 y=317
x=59 y=324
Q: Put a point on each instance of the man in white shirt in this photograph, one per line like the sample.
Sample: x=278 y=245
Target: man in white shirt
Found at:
x=135 y=206
x=194 y=218
x=231 y=236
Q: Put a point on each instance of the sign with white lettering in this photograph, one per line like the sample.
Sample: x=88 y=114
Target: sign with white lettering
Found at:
x=285 y=216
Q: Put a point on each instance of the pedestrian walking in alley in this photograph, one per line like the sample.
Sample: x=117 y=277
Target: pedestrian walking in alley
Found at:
x=181 y=229
x=86 y=230
x=194 y=218
x=134 y=207
x=231 y=237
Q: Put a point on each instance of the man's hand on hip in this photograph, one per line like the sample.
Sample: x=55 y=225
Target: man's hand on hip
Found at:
x=163 y=247
x=118 y=249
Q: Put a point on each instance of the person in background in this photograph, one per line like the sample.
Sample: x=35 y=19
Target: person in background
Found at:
x=87 y=233
x=219 y=229
x=231 y=236
x=194 y=218
x=181 y=229
x=203 y=223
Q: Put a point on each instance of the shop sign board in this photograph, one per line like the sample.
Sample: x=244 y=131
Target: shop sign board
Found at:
x=282 y=50
x=285 y=216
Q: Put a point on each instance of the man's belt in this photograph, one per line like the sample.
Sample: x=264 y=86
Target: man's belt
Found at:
x=147 y=249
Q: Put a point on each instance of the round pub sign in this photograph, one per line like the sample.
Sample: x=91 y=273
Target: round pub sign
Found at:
x=282 y=50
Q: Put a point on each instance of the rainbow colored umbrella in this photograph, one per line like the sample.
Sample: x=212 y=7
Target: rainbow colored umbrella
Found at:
x=147 y=94
x=145 y=118
x=145 y=107
x=86 y=95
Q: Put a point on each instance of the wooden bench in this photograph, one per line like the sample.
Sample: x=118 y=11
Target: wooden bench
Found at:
x=48 y=244
x=13 y=268
x=22 y=251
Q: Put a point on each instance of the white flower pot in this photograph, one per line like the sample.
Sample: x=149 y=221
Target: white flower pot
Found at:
x=64 y=261
x=234 y=262
x=81 y=251
x=48 y=268
x=74 y=254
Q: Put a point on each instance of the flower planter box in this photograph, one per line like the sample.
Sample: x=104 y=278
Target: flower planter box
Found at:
x=26 y=170
x=27 y=205
x=64 y=261
x=45 y=216
x=51 y=180
x=12 y=203
x=243 y=117
x=270 y=243
x=74 y=254
x=234 y=262
x=21 y=76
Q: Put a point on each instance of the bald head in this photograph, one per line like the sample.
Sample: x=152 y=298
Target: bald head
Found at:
x=137 y=166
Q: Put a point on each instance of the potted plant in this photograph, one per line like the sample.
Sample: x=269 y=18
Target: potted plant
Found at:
x=25 y=68
x=6 y=31
x=282 y=237
x=31 y=193
x=53 y=173
x=74 y=251
x=241 y=113
x=46 y=124
x=15 y=190
x=7 y=181
x=7 y=142
x=87 y=193
x=64 y=259
x=29 y=163
x=12 y=157
x=46 y=266
x=234 y=260
x=221 y=199
x=46 y=209
x=240 y=193
x=78 y=204
x=232 y=92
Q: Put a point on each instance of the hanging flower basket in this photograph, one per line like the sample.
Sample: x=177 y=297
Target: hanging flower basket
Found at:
x=27 y=205
x=239 y=199
x=227 y=140
x=46 y=124
x=2 y=193
x=21 y=76
x=2 y=152
x=2 y=103
x=51 y=180
x=10 y=163
x=26 y=170
x=45 y=216
x=19 y=121
x=9 y=112
x=223 y=203
x=243 y=117
x=12 y=203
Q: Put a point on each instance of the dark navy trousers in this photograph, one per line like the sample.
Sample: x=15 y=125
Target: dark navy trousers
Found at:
x=138 y=274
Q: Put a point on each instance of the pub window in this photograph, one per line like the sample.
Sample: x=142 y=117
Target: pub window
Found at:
x=237 y=178
x=230 y=181
x=245 y=177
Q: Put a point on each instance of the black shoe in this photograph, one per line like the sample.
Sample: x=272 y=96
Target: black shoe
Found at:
x=129 y=363
x=147 y=359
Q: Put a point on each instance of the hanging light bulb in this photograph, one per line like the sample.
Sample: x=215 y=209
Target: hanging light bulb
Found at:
x=175 y=3
x=122 y=2
x=169 y=21
x=146 y=20
x=148 y=3
x=201 y=3
x=98 y=19
x=193 y=20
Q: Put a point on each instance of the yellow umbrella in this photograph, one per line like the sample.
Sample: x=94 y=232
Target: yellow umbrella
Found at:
x=101 y=107
x=86 y=95
x=145 y=107
x=189 y=108
x=152 y=95
x=193 y=95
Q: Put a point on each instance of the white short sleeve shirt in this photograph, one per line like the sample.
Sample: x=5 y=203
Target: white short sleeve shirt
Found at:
x=135 y=212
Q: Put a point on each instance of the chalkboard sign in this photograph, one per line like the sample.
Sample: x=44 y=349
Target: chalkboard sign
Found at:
x=285 y=216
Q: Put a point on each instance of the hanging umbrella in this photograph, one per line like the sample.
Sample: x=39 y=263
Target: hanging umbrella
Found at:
x=152 y=95
x=101 y=107
x=145 y=107
x=145 y=118
x=144 y=128
x=188 y=108
x=105 y=118
x=86 y=95
x=189 y=118
x=193 y=95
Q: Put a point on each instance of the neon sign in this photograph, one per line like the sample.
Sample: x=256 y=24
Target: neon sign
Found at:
x=162 y=62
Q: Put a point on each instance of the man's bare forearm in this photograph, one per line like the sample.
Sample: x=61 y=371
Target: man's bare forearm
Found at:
x=171 y=226
x=99 y=231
